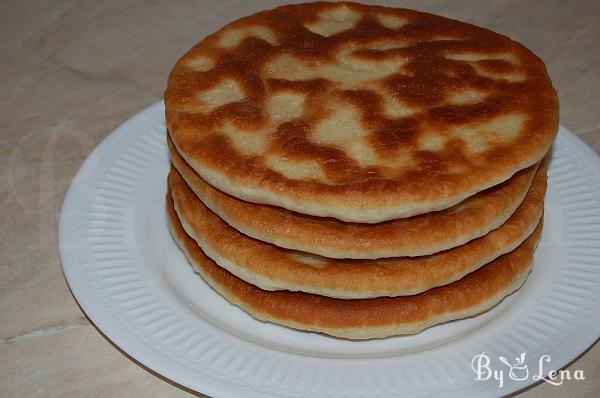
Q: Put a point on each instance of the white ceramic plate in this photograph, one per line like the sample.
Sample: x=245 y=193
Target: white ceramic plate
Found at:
x=136 y=286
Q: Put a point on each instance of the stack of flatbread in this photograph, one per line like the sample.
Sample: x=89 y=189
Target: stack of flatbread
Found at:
x=356 y=170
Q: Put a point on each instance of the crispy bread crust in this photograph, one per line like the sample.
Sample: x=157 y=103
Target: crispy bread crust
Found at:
x=366 y=318
x=273 y=268
x=382 y=164
x=415 y=236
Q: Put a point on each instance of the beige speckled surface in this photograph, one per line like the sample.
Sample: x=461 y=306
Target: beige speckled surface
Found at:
x=71 y=72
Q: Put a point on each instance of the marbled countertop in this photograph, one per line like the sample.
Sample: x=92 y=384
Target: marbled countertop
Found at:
x=72 y=71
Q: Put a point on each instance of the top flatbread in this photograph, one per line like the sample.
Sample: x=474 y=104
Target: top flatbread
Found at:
x=361 y=113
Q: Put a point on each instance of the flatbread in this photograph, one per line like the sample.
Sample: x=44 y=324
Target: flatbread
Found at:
x=415 y=236
x=361 y=113
x=273 y=268
x=366 y=318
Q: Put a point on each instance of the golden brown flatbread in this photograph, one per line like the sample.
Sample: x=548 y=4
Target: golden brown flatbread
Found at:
x=366 y=318
x=414 y=236
x=362 y=113
x=273 y=268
